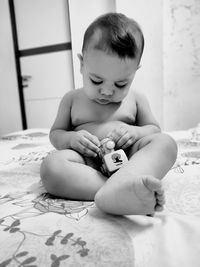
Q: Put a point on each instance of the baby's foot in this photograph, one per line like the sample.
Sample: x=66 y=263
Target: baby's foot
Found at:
x=141 y=195
x=155 y=189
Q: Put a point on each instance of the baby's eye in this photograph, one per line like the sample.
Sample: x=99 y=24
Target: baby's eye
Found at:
x=95 y=82
x=120 y=85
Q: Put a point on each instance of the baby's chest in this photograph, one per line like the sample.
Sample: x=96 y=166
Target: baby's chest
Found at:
x=82 y=113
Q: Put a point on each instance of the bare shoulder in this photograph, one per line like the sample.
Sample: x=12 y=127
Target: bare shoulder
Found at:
x=69 y=97
x=63 y=117
x=140 y=98
x=144 y=112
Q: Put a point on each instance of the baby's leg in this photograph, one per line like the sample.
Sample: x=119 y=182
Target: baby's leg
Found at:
x=136 y=188
x=65 y=174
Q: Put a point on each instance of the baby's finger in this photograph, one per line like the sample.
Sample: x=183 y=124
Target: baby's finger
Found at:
x=88 y=152
x=84 y=150
x=122 y=140
x=115 y=135
x=127 y=144
x=93 y=139
x=110 y=135
x=87 y=144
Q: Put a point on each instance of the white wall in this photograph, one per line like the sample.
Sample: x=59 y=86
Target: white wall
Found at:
x=149 y=78
x=10 y=117
x=181 y=64
x=42 y=22
x=170 y=75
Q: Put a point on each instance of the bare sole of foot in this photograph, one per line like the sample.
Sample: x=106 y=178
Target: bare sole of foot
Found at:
x=142 y=195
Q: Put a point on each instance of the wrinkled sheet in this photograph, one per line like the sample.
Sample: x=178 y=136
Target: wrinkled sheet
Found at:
x=37 y=229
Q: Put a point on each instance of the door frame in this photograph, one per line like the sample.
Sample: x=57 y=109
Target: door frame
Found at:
x=28 y=52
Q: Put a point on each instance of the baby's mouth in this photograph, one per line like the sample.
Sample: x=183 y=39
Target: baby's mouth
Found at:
x=103 y=101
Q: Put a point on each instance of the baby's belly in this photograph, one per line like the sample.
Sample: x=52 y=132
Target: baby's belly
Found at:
x=101 y=130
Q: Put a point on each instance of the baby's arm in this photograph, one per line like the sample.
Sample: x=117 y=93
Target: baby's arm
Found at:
x=145 y=124
x=60 y=131
x=63 y=137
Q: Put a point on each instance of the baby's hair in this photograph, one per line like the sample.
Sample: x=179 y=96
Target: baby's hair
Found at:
x=115 y=33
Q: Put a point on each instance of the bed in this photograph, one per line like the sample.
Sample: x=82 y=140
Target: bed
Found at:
x=37 y=229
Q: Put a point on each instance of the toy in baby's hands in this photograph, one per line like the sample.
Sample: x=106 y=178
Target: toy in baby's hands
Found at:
x=111 y=160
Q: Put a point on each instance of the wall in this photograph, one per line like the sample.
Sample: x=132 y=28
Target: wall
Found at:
x=10 y=117
x=181 y=107
x=149 y=78
x=170 y=74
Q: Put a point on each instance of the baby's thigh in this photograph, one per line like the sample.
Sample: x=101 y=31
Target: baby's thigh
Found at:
x=159 y=142
x=58 y=160
x=67 y=155
x=73 y=156
x=142 y=142
x=93 y=163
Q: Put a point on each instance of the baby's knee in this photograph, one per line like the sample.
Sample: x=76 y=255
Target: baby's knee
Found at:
x=49 y=171
x=167 y=144
x=162 y=142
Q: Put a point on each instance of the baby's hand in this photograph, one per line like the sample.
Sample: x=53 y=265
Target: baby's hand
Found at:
x=124 y=136
x=85 y=143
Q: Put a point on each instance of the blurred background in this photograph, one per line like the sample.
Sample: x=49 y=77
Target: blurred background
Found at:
x=40 y=39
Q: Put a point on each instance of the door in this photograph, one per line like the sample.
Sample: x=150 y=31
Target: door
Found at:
x=44 y=43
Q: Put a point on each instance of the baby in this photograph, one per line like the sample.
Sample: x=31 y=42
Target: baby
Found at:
x=109 y=107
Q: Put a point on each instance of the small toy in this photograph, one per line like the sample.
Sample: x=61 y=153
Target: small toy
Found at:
x=111 y=160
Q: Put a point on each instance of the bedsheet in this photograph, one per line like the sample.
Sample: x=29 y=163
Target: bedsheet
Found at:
x=37 y=229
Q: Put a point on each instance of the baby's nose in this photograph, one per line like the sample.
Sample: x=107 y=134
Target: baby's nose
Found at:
x=106 y=91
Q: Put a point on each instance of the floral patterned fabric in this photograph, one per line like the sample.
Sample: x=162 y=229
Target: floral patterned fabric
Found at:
x=37 y=229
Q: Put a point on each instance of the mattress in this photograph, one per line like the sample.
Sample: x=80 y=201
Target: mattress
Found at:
x=37 y=229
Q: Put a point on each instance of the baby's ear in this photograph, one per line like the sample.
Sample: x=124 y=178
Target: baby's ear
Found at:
x=81 y=62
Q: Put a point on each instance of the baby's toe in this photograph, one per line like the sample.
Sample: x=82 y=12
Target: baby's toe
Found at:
x=160 y=199
x=160 y=192
x=153 y=184
x=159 y=208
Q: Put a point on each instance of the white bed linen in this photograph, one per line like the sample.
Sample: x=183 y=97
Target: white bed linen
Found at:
x=39 y=230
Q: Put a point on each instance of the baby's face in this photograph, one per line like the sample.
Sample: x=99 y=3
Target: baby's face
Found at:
x=107 y=78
